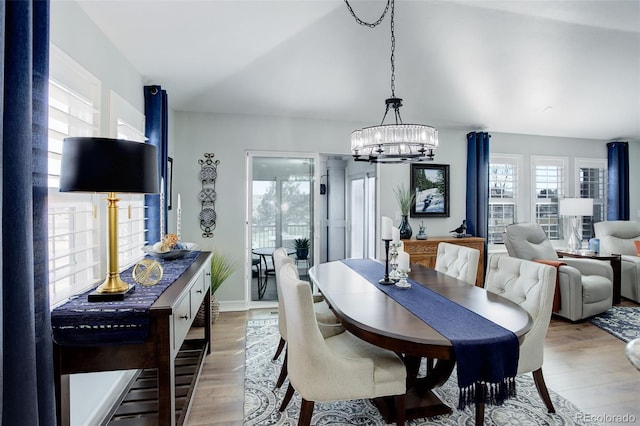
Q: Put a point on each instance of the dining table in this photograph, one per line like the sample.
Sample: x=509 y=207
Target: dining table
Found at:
x=372 y=315
x=263 y=253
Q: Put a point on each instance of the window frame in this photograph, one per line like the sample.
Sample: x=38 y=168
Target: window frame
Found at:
x=517 y=200
x=562 y=190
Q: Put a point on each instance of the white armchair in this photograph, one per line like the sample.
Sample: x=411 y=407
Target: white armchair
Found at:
x=458 y=261
x=586 y=285
x=617 y=237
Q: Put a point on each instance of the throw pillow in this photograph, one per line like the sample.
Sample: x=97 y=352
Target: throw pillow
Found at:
x=637 y=244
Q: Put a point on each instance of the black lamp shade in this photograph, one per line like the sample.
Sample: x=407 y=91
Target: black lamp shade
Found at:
x=108 y=165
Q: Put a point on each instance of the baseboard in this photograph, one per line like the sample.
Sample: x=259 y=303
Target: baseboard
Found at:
x=233 y=306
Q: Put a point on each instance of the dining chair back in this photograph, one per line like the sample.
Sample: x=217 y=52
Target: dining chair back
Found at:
x=458 y=261
x=337 y=368
x=531 y=285
x=327 y=321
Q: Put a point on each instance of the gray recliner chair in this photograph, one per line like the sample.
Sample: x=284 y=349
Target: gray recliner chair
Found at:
x=617 y=237
x=586 y=285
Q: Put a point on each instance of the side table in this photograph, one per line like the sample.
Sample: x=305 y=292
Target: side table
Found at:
x=616 y=265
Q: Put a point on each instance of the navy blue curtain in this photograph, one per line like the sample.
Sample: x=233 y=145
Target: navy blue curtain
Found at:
x=28 y=396
x=478 y=185
x=618 y=181
x=156 y=110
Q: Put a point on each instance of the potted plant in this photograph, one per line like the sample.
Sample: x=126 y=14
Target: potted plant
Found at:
x=302 y=247
x=221 y=268
x=405 y=199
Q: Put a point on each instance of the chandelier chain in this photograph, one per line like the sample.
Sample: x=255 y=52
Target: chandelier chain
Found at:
x=368 y=24
x=390 y=4
x=393 y=52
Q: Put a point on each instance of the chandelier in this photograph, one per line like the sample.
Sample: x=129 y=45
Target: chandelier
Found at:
x=392 y=143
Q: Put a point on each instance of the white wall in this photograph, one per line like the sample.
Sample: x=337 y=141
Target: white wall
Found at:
x=230 y=137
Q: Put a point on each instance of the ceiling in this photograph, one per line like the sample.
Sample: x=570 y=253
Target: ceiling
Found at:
x=556 y=68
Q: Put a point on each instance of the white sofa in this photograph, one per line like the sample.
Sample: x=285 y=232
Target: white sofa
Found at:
x=616 y=237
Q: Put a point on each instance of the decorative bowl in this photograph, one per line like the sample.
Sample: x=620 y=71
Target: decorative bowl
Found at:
x=171 y=254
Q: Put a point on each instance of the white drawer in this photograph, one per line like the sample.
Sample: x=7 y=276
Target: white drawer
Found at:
x=182 y=319
x=198 y=292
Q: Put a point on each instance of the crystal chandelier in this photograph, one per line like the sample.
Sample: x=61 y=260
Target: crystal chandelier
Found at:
x=392 y=143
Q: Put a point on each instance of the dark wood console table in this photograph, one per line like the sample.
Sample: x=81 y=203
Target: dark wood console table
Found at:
x=171 y=317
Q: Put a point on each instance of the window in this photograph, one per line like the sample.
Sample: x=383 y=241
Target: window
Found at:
x=74 y=242
x=591 y=183
x=128 y=123
x=504 y=194
x=548 y=181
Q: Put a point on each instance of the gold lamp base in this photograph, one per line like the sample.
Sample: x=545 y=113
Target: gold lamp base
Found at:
x=113 y=284
x=112 y=289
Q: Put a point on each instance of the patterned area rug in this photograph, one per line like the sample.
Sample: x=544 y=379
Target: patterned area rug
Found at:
x=621 y=321
x=261 y=401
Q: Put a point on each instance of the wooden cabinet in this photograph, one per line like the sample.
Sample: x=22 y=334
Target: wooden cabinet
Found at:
x=424 y=252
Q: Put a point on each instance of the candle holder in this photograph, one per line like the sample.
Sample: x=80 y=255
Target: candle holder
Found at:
x=386 y=280
x=402 y=282
x=393 y=254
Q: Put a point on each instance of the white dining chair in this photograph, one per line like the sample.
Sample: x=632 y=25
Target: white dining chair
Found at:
x=337 y=368
x=458 y=261
x=329 y=324
x=531 y=285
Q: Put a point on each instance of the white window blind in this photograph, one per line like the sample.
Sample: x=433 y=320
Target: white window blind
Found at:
x=549 y=184
x=591 y=183
x=74 y=238
x=128 y=123
x=504 y=194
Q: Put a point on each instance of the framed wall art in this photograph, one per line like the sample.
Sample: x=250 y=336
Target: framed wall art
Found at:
x=430 y=184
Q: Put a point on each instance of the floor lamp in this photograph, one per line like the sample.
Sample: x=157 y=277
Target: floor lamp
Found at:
x=574 y=209
x=109 y=166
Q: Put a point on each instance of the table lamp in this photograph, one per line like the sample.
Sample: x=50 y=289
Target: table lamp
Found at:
x=109 y=165
x=574 y=209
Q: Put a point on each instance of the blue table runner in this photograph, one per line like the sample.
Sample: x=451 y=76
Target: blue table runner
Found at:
x=79 y=322
x=486 y=353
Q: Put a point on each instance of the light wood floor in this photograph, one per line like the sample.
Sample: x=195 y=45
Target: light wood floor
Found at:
x=583 y=363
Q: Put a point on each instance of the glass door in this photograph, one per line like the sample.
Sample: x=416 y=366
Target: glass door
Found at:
x=362 y=217
x=281 y=209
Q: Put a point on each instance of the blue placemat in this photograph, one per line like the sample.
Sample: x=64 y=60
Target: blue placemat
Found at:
x=79 y=322
x=486 y=353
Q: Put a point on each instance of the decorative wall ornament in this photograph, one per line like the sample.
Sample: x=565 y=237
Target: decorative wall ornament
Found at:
x=207 y=195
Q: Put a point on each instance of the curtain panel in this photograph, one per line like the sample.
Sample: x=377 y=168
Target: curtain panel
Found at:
x=478 y=184
x=156 y=110
x=618 y=181
x=26 y=348
x=477 y=209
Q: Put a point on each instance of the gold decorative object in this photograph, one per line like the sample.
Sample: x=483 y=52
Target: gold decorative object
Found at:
x=147 y=272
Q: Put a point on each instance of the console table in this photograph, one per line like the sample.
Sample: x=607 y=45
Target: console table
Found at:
x=163 y=352
x=425 y=252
